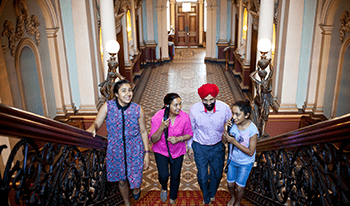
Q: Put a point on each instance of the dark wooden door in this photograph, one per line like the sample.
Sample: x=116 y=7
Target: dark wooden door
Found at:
x=253 y=60
x=121 y=60
x=186 y=26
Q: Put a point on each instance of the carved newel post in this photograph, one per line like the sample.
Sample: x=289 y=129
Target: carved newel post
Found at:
x=263 y=98
x=106 y=89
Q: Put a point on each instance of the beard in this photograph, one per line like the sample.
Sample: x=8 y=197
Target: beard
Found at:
x=209 y=107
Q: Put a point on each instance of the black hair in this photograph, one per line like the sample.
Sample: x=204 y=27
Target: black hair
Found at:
x=169 y=98
x=244 y=106
x=118 y=84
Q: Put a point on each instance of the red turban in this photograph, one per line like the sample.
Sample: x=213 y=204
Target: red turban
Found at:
x=207 y=89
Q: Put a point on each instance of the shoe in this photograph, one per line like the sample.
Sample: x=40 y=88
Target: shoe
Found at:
x=212 y=199
x=137 y=196
x=172 y=202
x=163 y=195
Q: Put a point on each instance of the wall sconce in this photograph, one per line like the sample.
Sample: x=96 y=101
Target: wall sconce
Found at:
x=106 y=87
x=186 y=6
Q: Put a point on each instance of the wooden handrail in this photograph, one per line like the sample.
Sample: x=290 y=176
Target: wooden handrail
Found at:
x=334 y=130
x=16 y=122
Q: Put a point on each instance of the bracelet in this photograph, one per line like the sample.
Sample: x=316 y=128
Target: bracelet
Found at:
x=147 y=151
x=182 y=138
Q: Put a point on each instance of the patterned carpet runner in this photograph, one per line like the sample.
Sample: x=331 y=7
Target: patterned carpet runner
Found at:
x=190 y=198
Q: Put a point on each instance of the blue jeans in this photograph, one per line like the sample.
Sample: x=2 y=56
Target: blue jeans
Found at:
x=238 y=173
x=163 y=163
x=212 y=156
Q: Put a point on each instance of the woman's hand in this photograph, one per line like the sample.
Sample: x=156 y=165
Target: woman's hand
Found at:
x=174 y=140
x=146 y=161
x=165 y=124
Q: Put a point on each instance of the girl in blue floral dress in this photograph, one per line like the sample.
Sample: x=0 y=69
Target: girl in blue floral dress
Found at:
x=128 y=148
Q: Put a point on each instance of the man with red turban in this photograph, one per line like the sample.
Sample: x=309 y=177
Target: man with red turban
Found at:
x=208 y=118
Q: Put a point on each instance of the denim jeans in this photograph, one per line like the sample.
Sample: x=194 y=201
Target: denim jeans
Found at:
x=238 y=173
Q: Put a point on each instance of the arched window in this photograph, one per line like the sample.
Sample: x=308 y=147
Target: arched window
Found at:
x=30 y=77
x=128 y=27
x=245 y=24
x=30 y=81
x=273 y=43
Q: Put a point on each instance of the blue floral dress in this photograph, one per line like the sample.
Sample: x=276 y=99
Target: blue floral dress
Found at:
x=123 y=126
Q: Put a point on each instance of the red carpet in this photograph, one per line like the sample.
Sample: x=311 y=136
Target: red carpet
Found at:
x=191 y=198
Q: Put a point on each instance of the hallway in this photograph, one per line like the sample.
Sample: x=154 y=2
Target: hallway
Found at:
x=183 y=75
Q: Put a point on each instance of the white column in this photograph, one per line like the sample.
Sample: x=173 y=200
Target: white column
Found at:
x=108 y=29
x=139 y=13
x=162 y=31
x=5 y=87
x=246 y=60
x=126 y=41
x=211 y=31
x=133 y=24
x=172 y=13
x=85 y=57
x=266 y=21
x=60 y=73
x=322 y=69
x=55 y=67
x=289 y=67
x=223 y=21
x=150 y=26
x=233 y=24
x=315 y=61
x=201 y=21
x=240 y=23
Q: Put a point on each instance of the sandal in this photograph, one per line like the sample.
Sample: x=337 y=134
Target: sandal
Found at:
x=137 y=196
x=163 y=195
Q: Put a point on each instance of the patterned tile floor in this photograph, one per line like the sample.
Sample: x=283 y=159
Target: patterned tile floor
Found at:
x=183 y=75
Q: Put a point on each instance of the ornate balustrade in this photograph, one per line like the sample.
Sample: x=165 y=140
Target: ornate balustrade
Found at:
x=309 y=166
x=52 y=163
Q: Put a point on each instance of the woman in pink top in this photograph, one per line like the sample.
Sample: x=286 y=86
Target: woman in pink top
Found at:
x=172 y=122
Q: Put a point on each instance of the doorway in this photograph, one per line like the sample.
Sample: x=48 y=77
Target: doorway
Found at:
x=186 y=29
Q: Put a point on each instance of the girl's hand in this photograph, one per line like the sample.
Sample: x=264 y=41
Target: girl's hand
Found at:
x=146 y=161
x=92 y=130
x=165 y=123
x=229 y=123
x=230 y=139
x=174 y=140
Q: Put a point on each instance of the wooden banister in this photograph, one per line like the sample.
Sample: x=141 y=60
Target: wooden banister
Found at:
x=333 y=130
x=53 y=162
x=16 y=122
x=308 y=166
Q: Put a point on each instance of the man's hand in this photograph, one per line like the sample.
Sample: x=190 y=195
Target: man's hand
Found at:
x=190 y=154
